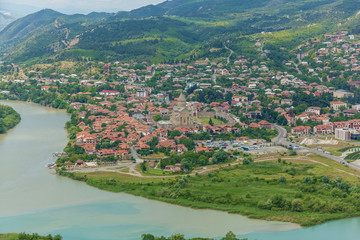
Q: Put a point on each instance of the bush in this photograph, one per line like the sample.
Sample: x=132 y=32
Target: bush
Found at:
x=293 y=153
x=297 y=205
x=247 y=160
x=282 y=179
x=337 y=193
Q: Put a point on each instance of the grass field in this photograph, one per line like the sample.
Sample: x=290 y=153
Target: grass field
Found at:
x=154 y=156
x=9 y=236
x=205 y=120
x=301 y=190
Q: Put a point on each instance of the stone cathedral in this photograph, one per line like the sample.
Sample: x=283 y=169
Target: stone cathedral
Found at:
x=182 y=114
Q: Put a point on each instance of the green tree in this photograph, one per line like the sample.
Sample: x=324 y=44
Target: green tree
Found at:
x=211 y=122
x=157 y=118
x=147 y=237
x=230 y=236
x=219 y=157
x=281 y=120
x=297 y=205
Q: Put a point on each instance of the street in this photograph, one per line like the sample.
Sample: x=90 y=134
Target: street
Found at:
x=281 y=139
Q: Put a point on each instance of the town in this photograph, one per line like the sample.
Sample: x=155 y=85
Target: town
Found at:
x=129 y=111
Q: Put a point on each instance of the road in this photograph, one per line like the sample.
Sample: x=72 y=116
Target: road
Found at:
x=281 y=139
x=136 y=157
x=296 y=66
x=231 y=53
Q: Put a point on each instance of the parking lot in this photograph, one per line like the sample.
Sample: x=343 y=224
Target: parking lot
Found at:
x=254 y=146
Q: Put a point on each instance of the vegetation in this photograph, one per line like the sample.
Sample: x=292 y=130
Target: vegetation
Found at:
x=171 y=31
x=291 y=190
x=9 y=118
x=229 y=236
x=25 y=236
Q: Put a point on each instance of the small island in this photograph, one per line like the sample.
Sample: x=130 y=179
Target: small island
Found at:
x=9 y=118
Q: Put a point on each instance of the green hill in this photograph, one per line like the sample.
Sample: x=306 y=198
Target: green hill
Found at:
x=171 y=30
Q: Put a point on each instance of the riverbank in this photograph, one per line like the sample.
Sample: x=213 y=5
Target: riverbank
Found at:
x=304 y=190
x=9 y=118
x=25 y=236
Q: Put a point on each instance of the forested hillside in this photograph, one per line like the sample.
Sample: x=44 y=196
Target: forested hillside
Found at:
x=173 y=30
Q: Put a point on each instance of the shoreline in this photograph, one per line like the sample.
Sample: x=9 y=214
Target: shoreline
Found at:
x=197 y=206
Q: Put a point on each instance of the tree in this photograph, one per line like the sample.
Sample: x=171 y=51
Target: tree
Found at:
x=228 y=97
x=282 y=179
x=230 y=236
x=297 y=205
x=219 y=157
x=143 y=167
x=147 y=237
x=211 y=122
x=281 y=120
x=292 y=153
x=247 y=160
x=189 y=144
x=157 y=118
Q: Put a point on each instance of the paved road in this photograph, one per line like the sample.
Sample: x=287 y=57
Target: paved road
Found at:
x=231 y=53
x=136 y=157
x=281 y=139
x=297 y=67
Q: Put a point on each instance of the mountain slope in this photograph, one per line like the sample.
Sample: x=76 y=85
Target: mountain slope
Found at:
x=4 y=20
x=172 y=29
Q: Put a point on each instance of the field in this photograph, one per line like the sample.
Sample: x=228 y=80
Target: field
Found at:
x=9 y=236
x=205 y=120
x=298 y=189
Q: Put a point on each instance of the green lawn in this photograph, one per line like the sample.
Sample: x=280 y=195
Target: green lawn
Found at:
x=154 y=156
x=205 y=120
x=253 y=190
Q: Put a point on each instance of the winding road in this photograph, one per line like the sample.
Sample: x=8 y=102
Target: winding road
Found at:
x=231 y=53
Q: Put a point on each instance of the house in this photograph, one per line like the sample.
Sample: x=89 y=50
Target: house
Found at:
x=303 y=117
x=354 y=124
x=169 y=168
x=337 y=125
x=342 y=94
x=254 y=125
x=323 y=129
x=323 y=120
x=105 y=153
x=124 y=146
x=122 y=154
x=286 y=101
x=265 y=124
x=177 y=167
x=301 y=130
x=47 y=88
x=109 y=93
x=315 y=110
x=336 y=105
x=151 y=164
x=141 y=145
x=166 y=144
x=85 y=137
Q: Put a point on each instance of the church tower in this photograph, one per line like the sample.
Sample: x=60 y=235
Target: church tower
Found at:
x=181 y=101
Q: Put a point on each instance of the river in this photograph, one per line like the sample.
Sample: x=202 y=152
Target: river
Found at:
x=32 y=200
